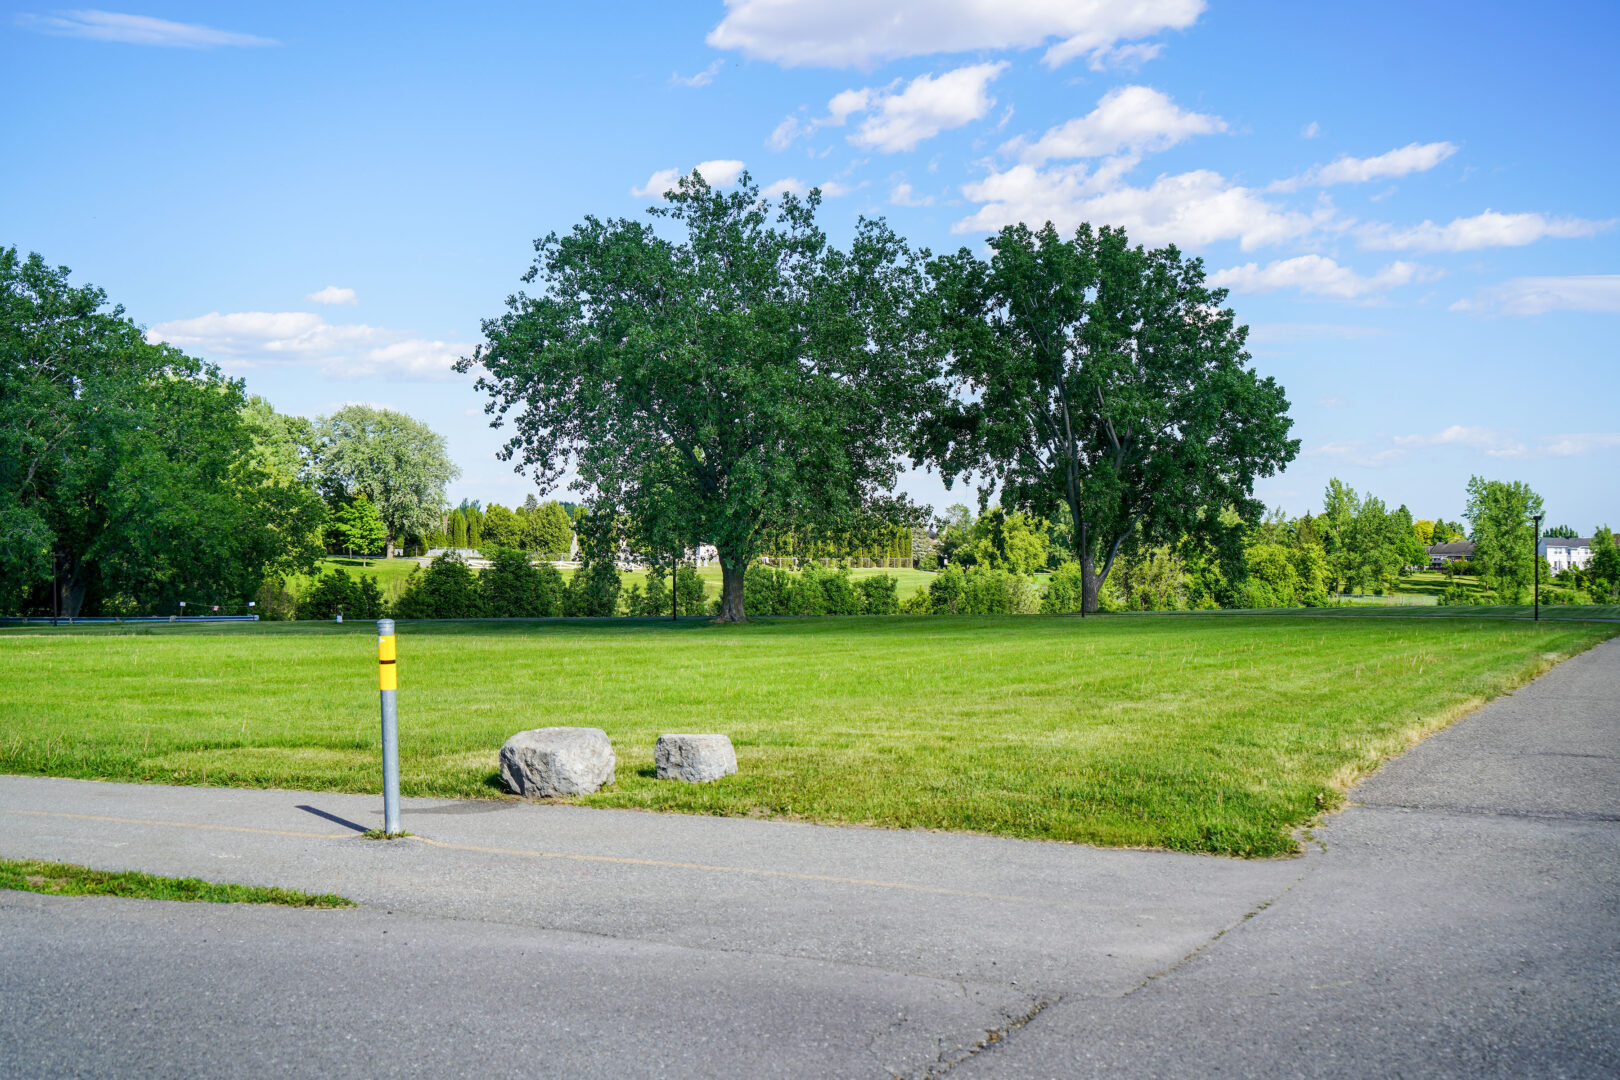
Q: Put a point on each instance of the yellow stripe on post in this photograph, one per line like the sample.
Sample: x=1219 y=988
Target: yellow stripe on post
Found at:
x=387 y=679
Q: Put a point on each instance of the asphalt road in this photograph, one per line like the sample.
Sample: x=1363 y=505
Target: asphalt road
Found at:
x=1463 y=920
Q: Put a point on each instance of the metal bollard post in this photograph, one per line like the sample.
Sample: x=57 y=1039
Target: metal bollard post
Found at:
x=388 y=683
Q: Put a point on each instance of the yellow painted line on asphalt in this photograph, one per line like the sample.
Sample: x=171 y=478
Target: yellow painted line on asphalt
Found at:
x=622 y=860
x=756 y=871
x=183 y=824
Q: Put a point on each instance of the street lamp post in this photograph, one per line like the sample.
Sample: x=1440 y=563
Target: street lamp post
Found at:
x=1535 y=553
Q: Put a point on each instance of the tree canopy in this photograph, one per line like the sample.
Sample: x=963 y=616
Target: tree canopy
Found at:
x=127 y=468
x=1106 y=378
x=397 y=462
x=743 y=374
x=1498 y=514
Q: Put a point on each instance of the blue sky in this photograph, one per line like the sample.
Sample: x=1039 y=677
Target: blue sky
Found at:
x=1413 y=204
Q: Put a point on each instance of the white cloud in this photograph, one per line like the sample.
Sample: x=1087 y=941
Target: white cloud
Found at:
x=840 y=108
x=783 y=186
x=899 y=119
x=1331 y=401
x=837 y=189
x=717 y=173
x=1486 y=230
x=903 y=195
x=1310 y=130
x=1192 y=209
x=926 y=107
x=1491 y=442
x=251 y=339
x=1414 y=157
x=863 y=33
x=782 y=136
x=333 y=295
x=1580 y=444
x=137 y=30
x=1129 y=119
x=702 y=78
x=1315 y=275
x=1128 y=57
x=1538 y=295
x=659 y=182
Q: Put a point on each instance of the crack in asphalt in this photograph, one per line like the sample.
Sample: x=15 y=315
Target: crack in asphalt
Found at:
x=1000 y=1035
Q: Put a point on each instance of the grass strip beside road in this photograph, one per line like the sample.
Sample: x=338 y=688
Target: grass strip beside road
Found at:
x=65 y=879
x=1221 y=734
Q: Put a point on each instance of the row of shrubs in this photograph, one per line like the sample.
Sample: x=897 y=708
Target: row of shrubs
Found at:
x=513 y=587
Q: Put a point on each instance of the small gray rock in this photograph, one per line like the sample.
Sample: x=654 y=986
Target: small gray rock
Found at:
x=556 y=761
x=696 y=759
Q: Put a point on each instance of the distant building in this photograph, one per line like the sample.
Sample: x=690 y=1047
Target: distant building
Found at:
x=1441 y=554
x=1563 y=552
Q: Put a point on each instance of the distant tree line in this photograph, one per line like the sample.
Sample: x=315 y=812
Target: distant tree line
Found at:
x=134 y=477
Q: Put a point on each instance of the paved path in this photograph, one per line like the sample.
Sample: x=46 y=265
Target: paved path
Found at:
x=1465 y=920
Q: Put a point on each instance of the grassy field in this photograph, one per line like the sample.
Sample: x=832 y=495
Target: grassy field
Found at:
x=65 y=879
x=1217 y=734
x=1433 y=583
x=1549 y=612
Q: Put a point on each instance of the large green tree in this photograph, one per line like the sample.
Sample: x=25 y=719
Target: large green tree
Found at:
x=548 y=528
x=1107 y=378
x=359 y=527
x=1499 y=524
x=397 y=462
x=127 y=471
x=736 y=374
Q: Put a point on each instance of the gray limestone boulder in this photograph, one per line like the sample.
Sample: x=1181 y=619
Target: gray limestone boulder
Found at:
x=696 y=759
x=557 y=761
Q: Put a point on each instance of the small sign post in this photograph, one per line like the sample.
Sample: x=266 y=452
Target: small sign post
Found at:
x=388 y=684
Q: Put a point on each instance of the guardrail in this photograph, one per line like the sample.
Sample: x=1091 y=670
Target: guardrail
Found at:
x=63 y=620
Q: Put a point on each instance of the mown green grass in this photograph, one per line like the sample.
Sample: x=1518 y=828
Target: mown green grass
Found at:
x=1549 y=612
x=65 y=879
x=1216 y=734
x=1433 y=583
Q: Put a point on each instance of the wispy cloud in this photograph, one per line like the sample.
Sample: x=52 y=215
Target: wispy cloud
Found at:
x=702 y=78
x=332 y=294
x=1538 y=295
x=1317 y=275
x=137 y=30
x=1414 y=157
x=1487 y=230
x=1493 y=443
x=904 y=195
x=245 y=340
x=864 y=33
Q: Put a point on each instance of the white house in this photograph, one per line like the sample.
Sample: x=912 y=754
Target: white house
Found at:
x=1563 y=552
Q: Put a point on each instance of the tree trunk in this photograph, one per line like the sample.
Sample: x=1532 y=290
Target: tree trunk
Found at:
x=731 y=589
x=1090 y=583
x=70 y=586
x=388 y=546
x=1091 y=578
